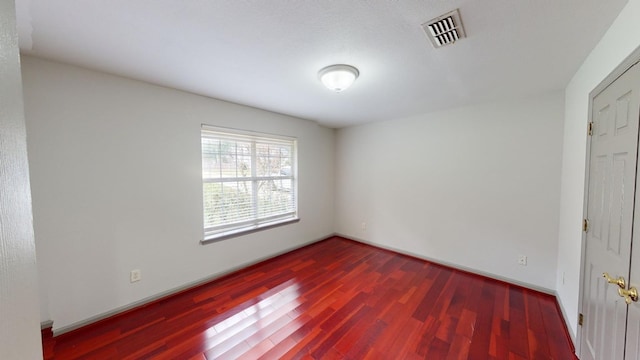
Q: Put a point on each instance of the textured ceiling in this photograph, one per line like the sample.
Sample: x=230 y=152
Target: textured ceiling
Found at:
x=267 y=53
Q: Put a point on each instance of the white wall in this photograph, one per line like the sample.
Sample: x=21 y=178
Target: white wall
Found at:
x=619 y=41
x=116 y=182
x=19 y=327
x=474 y=187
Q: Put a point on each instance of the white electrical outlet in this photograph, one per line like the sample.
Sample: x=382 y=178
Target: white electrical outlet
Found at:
x=522 y=260
x=363 y=226
x=135 y=275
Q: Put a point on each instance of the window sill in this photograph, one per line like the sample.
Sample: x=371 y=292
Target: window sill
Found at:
x=245 y=231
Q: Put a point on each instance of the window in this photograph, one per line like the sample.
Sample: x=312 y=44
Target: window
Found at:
x=248 y=181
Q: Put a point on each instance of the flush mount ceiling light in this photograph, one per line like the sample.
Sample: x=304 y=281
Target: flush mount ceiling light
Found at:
x=338 y=77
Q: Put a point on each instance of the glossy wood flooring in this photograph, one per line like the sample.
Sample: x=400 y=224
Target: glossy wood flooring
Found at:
x=336 y=299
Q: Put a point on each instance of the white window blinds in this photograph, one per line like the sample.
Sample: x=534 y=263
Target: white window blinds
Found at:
x=248 y=181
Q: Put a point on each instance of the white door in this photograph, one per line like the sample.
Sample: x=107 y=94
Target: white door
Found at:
x=633 y=312
x=610 y=210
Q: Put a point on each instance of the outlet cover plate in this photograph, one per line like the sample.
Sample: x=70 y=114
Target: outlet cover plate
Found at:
x=522 y=260
x=135 y=275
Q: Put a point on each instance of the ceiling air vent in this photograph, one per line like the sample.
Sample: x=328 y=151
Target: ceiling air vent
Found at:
x=445 y=29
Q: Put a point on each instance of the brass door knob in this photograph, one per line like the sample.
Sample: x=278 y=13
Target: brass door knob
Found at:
x=630 y=295
x=619 y=281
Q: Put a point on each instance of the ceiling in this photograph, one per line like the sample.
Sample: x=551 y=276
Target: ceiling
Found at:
x=267 y=54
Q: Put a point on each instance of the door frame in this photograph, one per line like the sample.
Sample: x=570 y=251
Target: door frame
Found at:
x=625 y=65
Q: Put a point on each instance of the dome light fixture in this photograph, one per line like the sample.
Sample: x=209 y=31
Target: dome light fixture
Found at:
x=338 y=77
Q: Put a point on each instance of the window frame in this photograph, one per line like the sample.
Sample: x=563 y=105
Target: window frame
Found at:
x=256 y=222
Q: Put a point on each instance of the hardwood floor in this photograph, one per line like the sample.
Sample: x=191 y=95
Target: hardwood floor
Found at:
x=336 y=299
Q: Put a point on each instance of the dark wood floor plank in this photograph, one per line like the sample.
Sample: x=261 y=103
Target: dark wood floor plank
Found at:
x=519 y=338
x=481 y=340
x=364 y=343
x=430 y=298
x=335 y=299
x=538 y=347
x=404 y=345
x=301 y=349
x=279 y=349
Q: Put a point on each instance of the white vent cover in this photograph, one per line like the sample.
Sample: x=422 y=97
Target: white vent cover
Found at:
x=445 y=29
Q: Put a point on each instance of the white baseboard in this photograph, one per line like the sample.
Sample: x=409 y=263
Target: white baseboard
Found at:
x=454 y=266
x=46 y=324
x=190 y=285
x=175 y=290
x=566 y=321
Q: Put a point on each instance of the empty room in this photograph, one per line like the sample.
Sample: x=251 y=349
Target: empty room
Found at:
x=407 y=179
